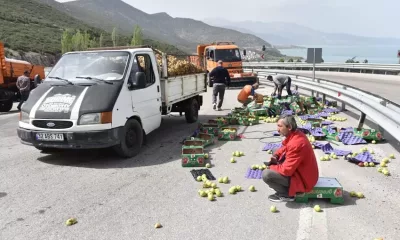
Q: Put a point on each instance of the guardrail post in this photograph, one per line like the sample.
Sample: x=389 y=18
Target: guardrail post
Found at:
x=312 y=93
x=324 y=99
x=383 y=103
x=361 y=120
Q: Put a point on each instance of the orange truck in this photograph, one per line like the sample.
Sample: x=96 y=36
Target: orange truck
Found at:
x=10 y=70
x=209 y=54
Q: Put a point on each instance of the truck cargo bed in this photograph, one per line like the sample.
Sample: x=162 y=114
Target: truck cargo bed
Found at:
x=177 y=89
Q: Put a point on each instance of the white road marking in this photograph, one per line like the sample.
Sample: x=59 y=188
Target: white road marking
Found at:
x=313 y=225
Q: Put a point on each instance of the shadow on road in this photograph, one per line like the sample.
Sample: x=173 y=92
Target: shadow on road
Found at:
x=163 y=145
x=348 y=201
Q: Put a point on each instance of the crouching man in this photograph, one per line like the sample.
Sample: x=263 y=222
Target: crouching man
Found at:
x=293 y=167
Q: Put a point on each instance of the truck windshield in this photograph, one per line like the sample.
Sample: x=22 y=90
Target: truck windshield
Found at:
x=103 y=65
x=228 y=55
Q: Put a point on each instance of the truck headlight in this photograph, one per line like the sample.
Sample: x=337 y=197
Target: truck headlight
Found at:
x=95 y=118
x=24 y=117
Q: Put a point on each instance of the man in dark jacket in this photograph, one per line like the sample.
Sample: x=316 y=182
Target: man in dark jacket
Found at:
x=221 y=80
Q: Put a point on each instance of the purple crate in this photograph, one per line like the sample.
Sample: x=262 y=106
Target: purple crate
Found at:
x=323 y=114
x=326 y=122
x=317 y=132
x=318 y=144
x=253 y=174
x=362 y=157
x=330 y=110
x=306 y=126
x=276 y=133
x=271 y=146
x=348 y=138
x=287 y=112
x=328 y=149
x=348 y=129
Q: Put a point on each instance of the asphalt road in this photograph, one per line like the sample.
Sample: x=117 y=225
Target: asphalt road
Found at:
x=123 y=199
x=387 y=86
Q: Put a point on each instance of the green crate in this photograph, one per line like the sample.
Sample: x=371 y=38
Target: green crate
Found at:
x=209 y=128
x=207 y=139
x=228 y=135
x=249 y=120
x=325 y=188
x=368 y=134
x=220 y=121
x=259 y=112
x=192 y=143
x=193 y=157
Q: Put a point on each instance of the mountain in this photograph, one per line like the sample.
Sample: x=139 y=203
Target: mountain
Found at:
x=183 y=32
x=281 y=33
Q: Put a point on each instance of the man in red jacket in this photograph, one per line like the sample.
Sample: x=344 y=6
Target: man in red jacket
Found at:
x=293 y=167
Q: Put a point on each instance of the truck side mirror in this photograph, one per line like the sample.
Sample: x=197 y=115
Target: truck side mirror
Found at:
x=137 y=81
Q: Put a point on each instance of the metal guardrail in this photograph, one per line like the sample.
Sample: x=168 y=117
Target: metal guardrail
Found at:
x=382 y=111
x=361 y=67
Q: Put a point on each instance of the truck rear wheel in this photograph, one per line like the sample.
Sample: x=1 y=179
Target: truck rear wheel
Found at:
x=131 y=139
x=6 y=106
x=192 y=111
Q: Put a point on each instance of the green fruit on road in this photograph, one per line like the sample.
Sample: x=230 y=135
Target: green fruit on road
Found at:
x=213 y=185
x=233 y=160
x=252 y=188
x=208 y=165
x=238 y=188
x=360 y=195
x=199 y=178
x=225 y=180
x=317 y=208
x=392 y=156
x=232 y=190
x=353 y=194
x=273 y=209
x=220 y=180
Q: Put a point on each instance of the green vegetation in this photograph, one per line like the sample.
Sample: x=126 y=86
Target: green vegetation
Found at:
x=26 y=25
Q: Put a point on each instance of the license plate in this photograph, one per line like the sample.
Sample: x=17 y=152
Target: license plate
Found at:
x=49 y=136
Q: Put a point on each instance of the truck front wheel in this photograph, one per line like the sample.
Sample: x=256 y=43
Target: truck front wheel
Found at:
x=192 y=111
x=6 y=106
x=131 y=139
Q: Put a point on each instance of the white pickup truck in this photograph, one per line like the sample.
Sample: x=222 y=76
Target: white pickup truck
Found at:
x=104 y=98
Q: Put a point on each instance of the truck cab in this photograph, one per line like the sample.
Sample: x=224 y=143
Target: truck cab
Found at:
x=230 y=55
x=96 y=99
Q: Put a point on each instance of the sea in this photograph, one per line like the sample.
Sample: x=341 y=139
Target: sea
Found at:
x=339 y=54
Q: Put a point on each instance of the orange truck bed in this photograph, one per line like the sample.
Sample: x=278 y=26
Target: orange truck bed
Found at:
x=10 y=70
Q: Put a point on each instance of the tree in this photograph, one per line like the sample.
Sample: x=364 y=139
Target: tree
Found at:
x=114 y=36
x=290 y=60
x=298 y=60
x=101 y=40
x=281 y=60
x=137 y=38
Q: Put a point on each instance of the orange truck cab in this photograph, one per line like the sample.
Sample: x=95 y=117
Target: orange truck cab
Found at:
x=230 y=55
x=10 y=70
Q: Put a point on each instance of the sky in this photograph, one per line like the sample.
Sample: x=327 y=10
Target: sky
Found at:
x=358 y=17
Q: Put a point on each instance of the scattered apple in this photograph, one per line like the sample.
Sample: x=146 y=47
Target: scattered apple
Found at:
x=220 y=180
x=373 y=142
x=206 y=156
x=392 y=156
x=273 y=209
x=252 y=188
x=71 y=221
x=353 y=194
x=366 y=164
x=198 y=178
x=360 y=195
x=386 y=172
x=232 y=190
x=233 y=160
x=371 y=164
x=317 y=208
x=225 y=180
x=208 y=165
x=380 y=169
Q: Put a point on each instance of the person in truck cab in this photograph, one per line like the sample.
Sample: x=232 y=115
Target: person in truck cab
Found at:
x=293 y=168
x=246 y=92
x=221 y=80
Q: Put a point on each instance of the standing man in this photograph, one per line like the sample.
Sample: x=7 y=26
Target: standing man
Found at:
x=280 y=82
x=293 y=167
x=221 y=80
x=24 y=86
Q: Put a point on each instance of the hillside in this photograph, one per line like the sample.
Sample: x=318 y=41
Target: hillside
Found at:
x=281 y=33
x=32 y=30
x=183 y=32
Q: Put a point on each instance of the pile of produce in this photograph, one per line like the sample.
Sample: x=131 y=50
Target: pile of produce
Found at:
x=179 y=67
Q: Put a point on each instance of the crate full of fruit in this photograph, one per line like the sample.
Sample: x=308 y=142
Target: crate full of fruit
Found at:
x=209 y=128
x=249 y=120
x=220 y=121
x=192 y=144
x=193 y=157
x=207 y=139
x=258 y=112
x=227 y=133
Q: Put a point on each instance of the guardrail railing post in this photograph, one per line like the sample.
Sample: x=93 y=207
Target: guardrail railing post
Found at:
x=324 y=99
x=361 y=121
